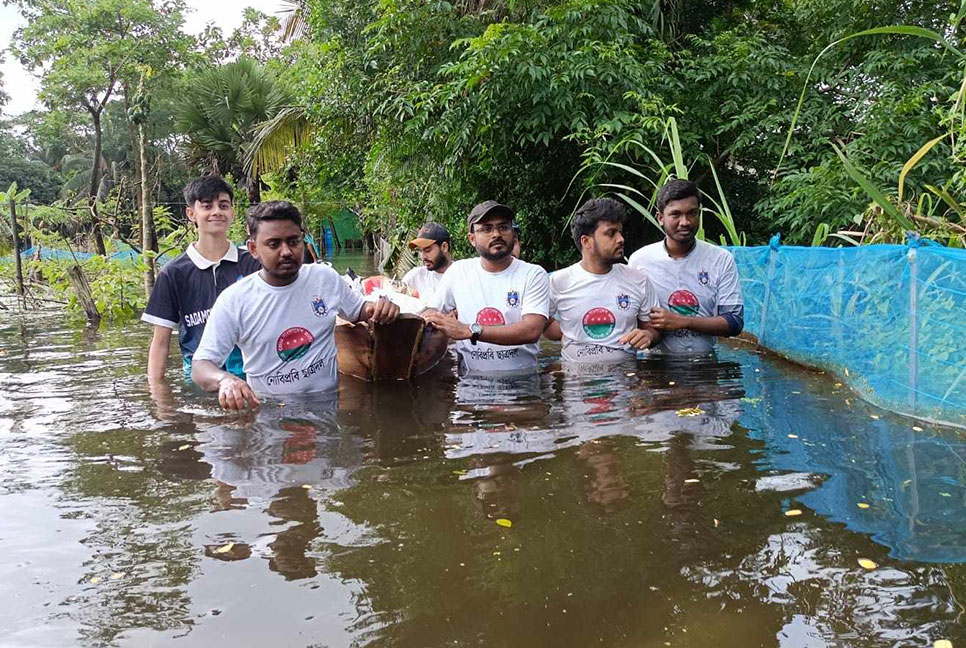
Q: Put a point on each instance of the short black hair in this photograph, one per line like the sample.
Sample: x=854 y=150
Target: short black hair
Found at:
x=207 y=187
x=271 y=210
x=676 y=190
x=592 y=212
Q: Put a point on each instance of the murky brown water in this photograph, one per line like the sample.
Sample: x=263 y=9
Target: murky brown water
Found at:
x=636 y=519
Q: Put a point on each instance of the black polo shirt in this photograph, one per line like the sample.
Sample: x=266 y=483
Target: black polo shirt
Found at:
x=186 y=290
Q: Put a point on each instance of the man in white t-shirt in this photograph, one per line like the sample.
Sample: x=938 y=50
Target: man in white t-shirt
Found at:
x=600 y=307
x=696 y=282
x=432 y=241
x=495 y=306
x=282 y=317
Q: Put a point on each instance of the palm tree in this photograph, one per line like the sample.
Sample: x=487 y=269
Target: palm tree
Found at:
x=221 y=109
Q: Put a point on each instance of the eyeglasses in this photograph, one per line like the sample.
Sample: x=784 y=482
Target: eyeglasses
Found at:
x=502 y=228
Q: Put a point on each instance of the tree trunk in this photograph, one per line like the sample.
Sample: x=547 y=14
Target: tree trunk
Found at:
x=133 y=135
x=148 y=237
x=95 y=182
x=18 y=270
x=83 y=291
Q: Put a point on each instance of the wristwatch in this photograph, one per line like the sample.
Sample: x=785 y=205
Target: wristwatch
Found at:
x=476 y=330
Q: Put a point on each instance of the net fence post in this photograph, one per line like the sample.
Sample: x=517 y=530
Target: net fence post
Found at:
x=913 y=327
x=773 y=245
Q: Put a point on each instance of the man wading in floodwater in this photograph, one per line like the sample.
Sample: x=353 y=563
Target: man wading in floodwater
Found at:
x=432 y=241
x=601 y=307
x=695 y=281
x=282 y=318
x=502 y=303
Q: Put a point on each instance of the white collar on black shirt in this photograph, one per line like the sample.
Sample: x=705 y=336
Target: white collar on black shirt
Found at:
x=203 y=264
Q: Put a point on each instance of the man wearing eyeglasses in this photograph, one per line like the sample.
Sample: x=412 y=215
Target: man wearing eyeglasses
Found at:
x=495 y=306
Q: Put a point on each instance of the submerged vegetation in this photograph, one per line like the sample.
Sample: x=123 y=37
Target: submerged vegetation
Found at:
x=832 y=123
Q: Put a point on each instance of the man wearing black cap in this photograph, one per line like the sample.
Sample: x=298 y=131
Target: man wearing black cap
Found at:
x=432 y=241
x=502 y=303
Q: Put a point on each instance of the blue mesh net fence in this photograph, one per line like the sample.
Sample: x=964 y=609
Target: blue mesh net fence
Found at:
x=889 y=320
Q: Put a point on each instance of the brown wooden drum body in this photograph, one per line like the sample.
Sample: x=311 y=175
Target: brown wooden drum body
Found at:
x=398 y=351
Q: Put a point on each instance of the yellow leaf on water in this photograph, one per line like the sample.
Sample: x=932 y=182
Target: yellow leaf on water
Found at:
x=95 y=580
x=865 y=563
x=307 y=486
x=671 y=383
x=184 y=447
x=224 y=548
x=690 y=411
x=862 y=505
x=793 y=512
x=873 y=416
x=463 y=472
x=496 y=553
x=838 y=384
x=692 y=481
x=943 y=643
x=117 y=575
x=503 y=522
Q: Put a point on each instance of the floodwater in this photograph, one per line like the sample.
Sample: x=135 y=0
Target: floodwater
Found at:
x=646 y=505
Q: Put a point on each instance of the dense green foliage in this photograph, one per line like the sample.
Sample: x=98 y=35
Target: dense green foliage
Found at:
x=408 y=110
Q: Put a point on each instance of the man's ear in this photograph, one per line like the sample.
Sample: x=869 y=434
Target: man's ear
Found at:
x=190 y=213
x=250 y=244
x=446 y=248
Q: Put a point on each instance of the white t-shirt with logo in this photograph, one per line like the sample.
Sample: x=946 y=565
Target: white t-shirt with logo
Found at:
x=285 y=333
x=596 y=311
x=494 y=299
x=696 y=285
x=424 y=281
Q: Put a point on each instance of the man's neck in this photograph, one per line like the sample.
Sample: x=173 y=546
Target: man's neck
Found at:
x=595 y=265
x=677 y=250
x=445 y=267
x=275 y=282
x=496 y=266
x=211 y=247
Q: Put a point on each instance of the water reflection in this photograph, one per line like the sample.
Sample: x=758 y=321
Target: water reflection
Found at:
x=646 y=506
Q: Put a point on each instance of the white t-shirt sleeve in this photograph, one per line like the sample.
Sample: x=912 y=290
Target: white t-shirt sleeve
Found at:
x=729 y=288
x=410 y=278
x=649 y=300
x=221 y=332
x=536 y=295
x=350 y=302
x=443 y=299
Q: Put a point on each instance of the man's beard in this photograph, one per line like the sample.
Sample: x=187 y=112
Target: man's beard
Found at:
x=439 y=262
x=486 y=253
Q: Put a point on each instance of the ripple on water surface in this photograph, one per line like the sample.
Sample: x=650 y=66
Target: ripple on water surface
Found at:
x=637 y=505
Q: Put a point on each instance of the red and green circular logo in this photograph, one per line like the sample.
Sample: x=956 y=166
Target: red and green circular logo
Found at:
x=598 y=323
x=293 y=343
x=683 y=302
x=490 y=317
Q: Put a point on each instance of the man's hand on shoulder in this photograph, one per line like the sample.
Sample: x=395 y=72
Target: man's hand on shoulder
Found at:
x=235 y=394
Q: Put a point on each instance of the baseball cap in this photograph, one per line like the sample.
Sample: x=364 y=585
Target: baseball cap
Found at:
x=428 y=234
x=486 y=208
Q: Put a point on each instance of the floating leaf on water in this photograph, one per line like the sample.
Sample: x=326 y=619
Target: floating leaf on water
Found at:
x=224 y=548
x=863 y=505
x=874 y=416
x=117 y=575
x=690 y=411
x=630 y=373
x=716 y=523
x=945 y=494
x=671 y=383
x=943 y=643
x=306 y=486
x=793 y=512
x=792 y=436
x=503 y=522
x=838 y=385
x=459 y=472
x=95 y=580
x=917 y=428
x=496 y=553
x=865 y=563
x=692 y=481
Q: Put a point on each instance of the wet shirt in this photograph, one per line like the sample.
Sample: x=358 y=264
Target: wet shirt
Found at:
x=285 y=333
x=494 y=299
x=596 y=311
x=185 y=291
x=424 y=281
x=699 y=285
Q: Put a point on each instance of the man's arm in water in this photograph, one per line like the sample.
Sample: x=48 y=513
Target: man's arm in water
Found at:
x=233 y=392
x=730 y=322
x=552 y=330
x=643 y=337
x=158 y=352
